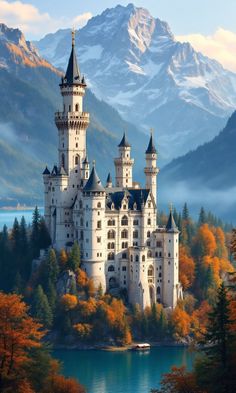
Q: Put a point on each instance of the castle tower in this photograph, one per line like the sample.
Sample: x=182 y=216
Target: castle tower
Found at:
x=151 y=169
x=94 y=199
x=72 y=121
x=171 y=286
x=84 y=171
x=109 y=181
x=124 y=165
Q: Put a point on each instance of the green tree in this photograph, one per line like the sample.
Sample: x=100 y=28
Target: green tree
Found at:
x=35 y=233
x=41 y=308
x=202 y=217
x=74 y=257
x=44 y=236
x=185 y=213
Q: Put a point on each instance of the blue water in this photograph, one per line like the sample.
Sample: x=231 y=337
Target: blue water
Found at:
x=122 y=372
x=7 y=217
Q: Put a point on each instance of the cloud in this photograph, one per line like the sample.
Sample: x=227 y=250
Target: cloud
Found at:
x=32 y=22
x=220 y=46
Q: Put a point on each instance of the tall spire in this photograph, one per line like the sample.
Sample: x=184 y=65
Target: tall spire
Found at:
x=72 y=73
x=171 y=225
x=124 y=142
x=151 y=148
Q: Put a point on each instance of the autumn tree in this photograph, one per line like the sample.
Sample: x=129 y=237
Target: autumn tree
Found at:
x=19 y=333
x=186 y=268
x=178 y=381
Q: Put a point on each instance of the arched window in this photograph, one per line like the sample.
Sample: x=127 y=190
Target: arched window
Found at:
x=124 y=234
x=149 y=254
x=148 y=234
x=136 y=258
x=99 y=205
x=111 y=234
x=111 y=222
x=124 y=220
x=149 y=221
x=76 y=160
x=111 y=256
x=77 y=107
x=143 y=258
x=135 y=234
x=150 y=271
x=124 y=244
x=63 y=160
x=111 y=268
x=111 y=246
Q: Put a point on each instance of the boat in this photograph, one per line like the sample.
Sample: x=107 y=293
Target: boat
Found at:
x=141 y=347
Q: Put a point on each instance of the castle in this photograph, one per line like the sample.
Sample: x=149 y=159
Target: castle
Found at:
x=115 y=225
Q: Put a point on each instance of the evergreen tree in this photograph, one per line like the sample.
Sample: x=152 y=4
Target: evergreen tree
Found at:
x=52 y=269
x=44 y=236
x=35 y=233
x=185 y=213
x=74 y=257
x=202 y=217
x=51 y=294
x=15 y=238
x=41 y=308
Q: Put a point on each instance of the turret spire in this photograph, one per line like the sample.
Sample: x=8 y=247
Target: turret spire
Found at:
x=72 y=76
x=151 y=148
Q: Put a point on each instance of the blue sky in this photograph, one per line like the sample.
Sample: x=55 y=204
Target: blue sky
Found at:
x=209 y=25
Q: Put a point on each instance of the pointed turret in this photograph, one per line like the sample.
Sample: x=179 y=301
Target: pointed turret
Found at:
x=94 y=183
x=151 y=148
x=171 y=225
x=46 y=171
x=72 y=76
x=109 y=181
x=124 y=142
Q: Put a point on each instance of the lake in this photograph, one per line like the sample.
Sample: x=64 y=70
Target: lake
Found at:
x=122 y=372
x=7 y=217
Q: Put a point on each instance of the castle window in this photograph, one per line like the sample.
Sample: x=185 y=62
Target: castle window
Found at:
x=159 y=275
x=149 y=221
x=148 y=234
x=143 y=258
x=76 y=145
x=81 y=235
x=124 y=207
x=124 y=234
x=98 y=239
x=81 y=222
x=169 y=263
x=111 y=246
x=69 y=108
x=135 y=234
x=80 y=204
x=63 y=160
x=160 y=254
x=150 y=271
x=124 y=244
x=148 y=243
x=76 y=160
x=111 y=222
x=76 y=107
x=124 y=282
x=123 y=268
x=124 y=220
x=149 y=204
x=137 y=258
x=111 y=256
x=135 y=222
x=169 y=240
x=131 y=258
x=124 y=255
x=149 y=254
x=99 y=205
x=99 y=224
x=111 y=268
x=158 y=244
x=68 y=235
x=111 y=234
x=169 y=254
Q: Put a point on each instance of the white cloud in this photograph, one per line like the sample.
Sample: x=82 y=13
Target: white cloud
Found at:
x=32 y=22
x=220 y=46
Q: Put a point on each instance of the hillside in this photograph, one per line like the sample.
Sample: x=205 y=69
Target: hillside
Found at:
x=133 y=62
x=28 y=137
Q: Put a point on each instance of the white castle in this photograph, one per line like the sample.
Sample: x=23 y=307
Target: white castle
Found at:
x=115 y=226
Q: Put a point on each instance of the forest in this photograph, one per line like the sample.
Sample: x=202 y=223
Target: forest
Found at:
x=51 y=299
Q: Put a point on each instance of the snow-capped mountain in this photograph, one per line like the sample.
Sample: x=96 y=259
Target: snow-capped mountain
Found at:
x=133 y=62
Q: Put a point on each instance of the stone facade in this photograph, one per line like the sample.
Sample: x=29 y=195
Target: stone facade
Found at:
x=115 y=226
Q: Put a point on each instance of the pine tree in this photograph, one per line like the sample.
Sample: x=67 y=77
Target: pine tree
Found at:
x=202 y=217
x=63 y=259
x=51 y=269
x=15 y=238
x=35 y=233
x=185 y=213
x=44 y=236
x=41 y=308
x=74 y=257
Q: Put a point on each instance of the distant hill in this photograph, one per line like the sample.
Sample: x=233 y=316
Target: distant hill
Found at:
x=207 y=175
x=28 y=137
x=133 y=62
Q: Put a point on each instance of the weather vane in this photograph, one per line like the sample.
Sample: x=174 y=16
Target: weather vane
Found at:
x=73 y=36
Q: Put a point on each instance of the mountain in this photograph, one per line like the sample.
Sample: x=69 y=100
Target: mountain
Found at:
x=207 y=174
x=133 y=62
x=28 y=137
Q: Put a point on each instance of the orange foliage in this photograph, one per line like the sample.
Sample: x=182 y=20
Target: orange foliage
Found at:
x=200 y=319
x=181 y=322
x=82 y=278
x=207 y=239
x=179 y=381
x=186 y=268
x=221 y=241
x=18 y=334
x=87 y=308
x=60 y=384
x=83 y=330
x=69 y=301
x=63 y=259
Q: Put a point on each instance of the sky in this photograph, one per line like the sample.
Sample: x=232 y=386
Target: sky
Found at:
x=209 y=25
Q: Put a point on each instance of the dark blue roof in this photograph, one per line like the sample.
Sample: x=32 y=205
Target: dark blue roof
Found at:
x=46 y=171
x=109 y=179
x=138 y=196
x=124 y=142
x=151 y=148
x=94 y=183
x=171 y=225
x=54 y=171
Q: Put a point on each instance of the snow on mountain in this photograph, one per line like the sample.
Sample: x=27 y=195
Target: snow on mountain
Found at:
x=132 y=61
